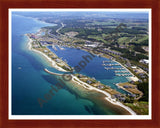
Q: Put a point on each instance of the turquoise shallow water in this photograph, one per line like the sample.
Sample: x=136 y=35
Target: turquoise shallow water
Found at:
x=30 y=81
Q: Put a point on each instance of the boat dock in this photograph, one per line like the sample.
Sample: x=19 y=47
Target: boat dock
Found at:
x=121 y=71
x=46 y=70
x=112 y=68
x=54 y=47
x=107 y=61
x=123 y=74
x=61 y=48
x=111 y=64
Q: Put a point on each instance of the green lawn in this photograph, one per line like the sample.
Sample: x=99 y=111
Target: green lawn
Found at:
x=123 y=39
x=110 y=22
x=98 y=38
x=141 y=108
x=142 y=39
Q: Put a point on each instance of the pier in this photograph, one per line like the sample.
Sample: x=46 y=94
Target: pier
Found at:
x=112 y=68
x=111 y=64
x=54 y=47
x=61 y=48
x=123 y=74
x=107 y=62
x=46 y=70
x=121 y=71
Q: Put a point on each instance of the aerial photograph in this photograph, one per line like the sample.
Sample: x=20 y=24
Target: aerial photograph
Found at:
x=79 y=62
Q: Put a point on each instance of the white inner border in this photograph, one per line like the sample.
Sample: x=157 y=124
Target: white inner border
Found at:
x=74 y=117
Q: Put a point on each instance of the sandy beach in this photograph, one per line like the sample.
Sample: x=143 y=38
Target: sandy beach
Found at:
x=89 y=87
x=49 y=59
x=79 y=82
x=108 y=96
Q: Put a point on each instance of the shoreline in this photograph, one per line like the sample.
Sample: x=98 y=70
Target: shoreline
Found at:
x=53 y=63
x=36 y=19
x=75 y=79
x=89 y=87
x=120 y=86
x=133 y=77
x=117 y=84
x=108 y=96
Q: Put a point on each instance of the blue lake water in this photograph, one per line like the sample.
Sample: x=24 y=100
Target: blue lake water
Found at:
x=30 y=81
x=93 y=68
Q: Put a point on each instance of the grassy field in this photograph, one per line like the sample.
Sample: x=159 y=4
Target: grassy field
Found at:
x=141 y=108
x=108 y=23
x=124 y=39
x=142 y=39
x=98 y=38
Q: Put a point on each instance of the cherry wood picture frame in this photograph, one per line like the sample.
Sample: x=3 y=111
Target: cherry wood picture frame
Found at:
x=5 y=5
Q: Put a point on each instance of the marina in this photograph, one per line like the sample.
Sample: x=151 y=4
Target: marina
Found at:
x=107 y=61
x=53 y=46
x=111 y=64
x=121 y=71
x=112 y=68
x=123 y=74
x=46 y=55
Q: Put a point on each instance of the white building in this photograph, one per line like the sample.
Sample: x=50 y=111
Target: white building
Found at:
x=91 y=45
x=144 y=61
x=133 y=67
x=45 y=51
